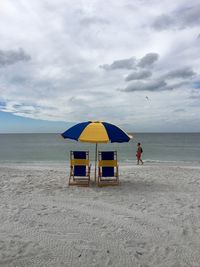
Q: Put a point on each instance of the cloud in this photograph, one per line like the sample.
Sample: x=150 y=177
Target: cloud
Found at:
x=148 y=60
x=195 y=94
x=2 y=104
x=159 y=85
x=182 y=17
x=139 y=75
x=163 y=22
x=183 y=84
x=128 y=64
x=179 y=110
x=9 y=57
x=30 y=110
x=68 y=43
x=183 y=73
x=93 y=20
x=189 y=16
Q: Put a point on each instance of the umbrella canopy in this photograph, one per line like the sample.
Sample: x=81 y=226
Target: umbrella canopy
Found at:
x=96 y=132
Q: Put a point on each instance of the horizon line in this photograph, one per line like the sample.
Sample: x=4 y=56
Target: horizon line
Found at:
x=129 y=132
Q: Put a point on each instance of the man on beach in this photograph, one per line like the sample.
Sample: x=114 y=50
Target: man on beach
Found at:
x=139 y=154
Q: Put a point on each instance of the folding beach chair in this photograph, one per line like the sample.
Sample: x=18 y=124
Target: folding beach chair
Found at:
x=79 y=168
x=107 y=168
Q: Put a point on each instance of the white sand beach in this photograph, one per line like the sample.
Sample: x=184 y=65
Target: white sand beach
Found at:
x=151 y=219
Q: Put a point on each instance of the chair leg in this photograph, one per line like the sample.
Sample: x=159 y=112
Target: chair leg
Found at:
x=78 y=181
x=108 y=182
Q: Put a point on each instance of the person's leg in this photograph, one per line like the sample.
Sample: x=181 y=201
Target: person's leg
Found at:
x=138 y=159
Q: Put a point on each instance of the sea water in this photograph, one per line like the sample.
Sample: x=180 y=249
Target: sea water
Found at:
x=157 y=147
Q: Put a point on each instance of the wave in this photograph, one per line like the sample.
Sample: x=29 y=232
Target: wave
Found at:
x=165 y=161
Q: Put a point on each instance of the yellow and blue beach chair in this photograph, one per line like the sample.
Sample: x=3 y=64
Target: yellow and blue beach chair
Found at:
x=79 y=168
x=108 y=173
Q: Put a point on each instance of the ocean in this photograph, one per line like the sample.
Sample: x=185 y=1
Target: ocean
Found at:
x=157 y=147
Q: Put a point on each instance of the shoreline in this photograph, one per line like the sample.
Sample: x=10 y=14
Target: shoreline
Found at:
x=123 y=164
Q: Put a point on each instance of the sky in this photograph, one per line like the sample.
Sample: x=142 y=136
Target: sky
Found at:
x=132 y=63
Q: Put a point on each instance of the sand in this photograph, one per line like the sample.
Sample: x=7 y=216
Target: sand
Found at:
x=151 y=219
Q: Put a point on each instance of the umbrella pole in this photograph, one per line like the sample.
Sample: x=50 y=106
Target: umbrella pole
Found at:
x=95 y=173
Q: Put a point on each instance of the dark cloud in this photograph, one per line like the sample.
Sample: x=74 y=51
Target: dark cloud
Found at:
x=189 y=16
x=93 y=20
x=163 y=22
x=179 y=110
x=182 y=73
x=148 y=60
x=180 y=85
x=128 y=63
x=8 y=57
x=179 y=19
x=138 y=75
x=158 y=85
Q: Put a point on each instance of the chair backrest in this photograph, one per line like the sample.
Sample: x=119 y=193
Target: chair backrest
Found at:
x=79 y=160
x=107 y=162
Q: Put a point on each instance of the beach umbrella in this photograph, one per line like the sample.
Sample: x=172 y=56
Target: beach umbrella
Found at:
x=96 y=132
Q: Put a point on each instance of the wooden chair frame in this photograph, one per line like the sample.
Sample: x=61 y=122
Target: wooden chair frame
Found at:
x=106 y=181
x=79 y=180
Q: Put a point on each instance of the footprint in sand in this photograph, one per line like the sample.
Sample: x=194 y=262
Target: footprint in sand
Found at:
x=108 y=262
x=43 y=207
x=138 y=248
x=13 y=249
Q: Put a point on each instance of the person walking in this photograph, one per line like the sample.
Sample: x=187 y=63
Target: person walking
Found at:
x=139 y=154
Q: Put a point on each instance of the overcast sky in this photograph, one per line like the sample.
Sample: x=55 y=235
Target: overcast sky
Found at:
x=133 y=63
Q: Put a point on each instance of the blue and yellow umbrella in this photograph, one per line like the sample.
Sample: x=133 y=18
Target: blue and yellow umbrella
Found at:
x=96 y=132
